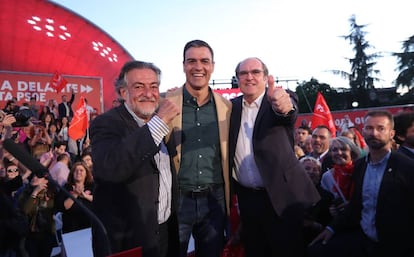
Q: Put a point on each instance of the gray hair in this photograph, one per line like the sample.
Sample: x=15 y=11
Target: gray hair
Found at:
x=120 y=82
x=355 y=150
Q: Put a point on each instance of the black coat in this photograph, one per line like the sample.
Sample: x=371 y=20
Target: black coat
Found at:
x=395 y=206
x=127 y=183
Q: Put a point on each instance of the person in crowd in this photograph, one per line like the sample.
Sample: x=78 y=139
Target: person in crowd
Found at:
x=53 y=134
x=6 y=128
x=338 y=179
x=135 y=194
x=13 y=226
x=378 y=221
x=89 y=109
x=37 y=202
x=404 y=133
x=60 y=171
x=34 y=108
x=354 y=134
x=321 y=137
x=272 y=187
x=49 y=158
x=199 y=136
x=13 y=180
x=301 y=133
x=44 y=111
x=53 y=108
x=47 y=120
x=81 y=186
x=11 y=107
x=298 y=151
x=40 y=141
x=307 y=145
x=87 y=158
x=64 y=129
x=317 y=216
x=65 y=107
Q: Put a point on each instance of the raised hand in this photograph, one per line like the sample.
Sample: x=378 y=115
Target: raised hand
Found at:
x=278 y=97
x=168 y=110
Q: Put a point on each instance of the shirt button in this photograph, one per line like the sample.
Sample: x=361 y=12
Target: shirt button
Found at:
x=200 y=156
x=199 y=140
x=198 y=124
x=201 y=172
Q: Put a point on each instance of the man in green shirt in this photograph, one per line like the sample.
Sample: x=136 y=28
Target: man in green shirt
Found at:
x=200 y=137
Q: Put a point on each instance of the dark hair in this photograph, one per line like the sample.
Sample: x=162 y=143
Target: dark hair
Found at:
x=197 y=43
x=131 y=65
x=304 y=127
x=381 y=113
x=88 y=178
x=264 y=67
x=402 y=122
x=322 y=127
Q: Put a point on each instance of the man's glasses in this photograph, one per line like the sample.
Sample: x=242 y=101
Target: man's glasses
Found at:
x=245 y=73
x=12 y=170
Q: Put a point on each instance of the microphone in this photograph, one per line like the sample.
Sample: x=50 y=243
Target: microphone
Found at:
x=41 y=171
x=25 y=158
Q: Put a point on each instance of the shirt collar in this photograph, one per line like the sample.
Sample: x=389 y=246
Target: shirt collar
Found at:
x=385 y=159
x=256 y=102
x=139 y=121
x=188 y=98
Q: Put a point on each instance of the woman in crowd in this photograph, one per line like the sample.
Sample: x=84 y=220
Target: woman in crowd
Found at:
x=318 y=216
x=37 y=202
x=80 y=184
x=338 y=180
x=40 y=141
x=63 y=130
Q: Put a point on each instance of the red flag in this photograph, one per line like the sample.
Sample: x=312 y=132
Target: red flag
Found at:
x=58 y=82
x=322 y=115
x=80 y=123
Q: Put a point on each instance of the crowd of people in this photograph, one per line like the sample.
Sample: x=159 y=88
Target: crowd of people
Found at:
x=31 y=205
x=157 y=171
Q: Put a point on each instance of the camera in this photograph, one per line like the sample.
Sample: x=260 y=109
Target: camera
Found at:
x=22 y=118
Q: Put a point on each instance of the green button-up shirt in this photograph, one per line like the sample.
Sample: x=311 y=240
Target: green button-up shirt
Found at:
x=200 y=161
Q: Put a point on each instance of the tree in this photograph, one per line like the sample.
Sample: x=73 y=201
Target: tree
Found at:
x=406 y=65
x=361 y=79
x=308 y=90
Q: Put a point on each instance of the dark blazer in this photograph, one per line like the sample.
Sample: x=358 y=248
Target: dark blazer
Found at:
x=127 y=184
x=405 y=151
x=395 y=207
x=283 y=176
x=62 y=109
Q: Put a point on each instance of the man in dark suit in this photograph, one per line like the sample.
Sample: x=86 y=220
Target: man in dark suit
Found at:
x=379 y=219
x=271 y=185
x=404 y=133
x=135 y=195
x=65 y=107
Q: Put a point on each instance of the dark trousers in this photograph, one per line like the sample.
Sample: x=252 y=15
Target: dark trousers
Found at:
x=203 y=216
x=264 y=233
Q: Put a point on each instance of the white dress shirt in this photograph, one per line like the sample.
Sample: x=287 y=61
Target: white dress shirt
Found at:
x=246 y=171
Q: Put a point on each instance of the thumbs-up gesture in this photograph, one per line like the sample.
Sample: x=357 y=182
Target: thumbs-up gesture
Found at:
x=278 y=97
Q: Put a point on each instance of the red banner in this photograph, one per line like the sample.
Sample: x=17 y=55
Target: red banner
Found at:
x=58 y=82
x=322 y=115
x=79 y=123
